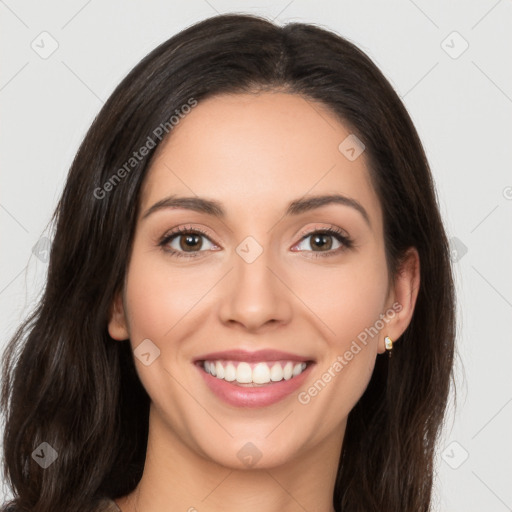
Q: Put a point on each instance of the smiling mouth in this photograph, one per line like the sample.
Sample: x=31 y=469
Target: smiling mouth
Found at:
x=253 y=374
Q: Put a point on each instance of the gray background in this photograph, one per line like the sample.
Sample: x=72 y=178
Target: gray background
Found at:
x=459 y=99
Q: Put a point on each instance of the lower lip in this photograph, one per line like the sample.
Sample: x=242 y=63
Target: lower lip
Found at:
x=262 y=396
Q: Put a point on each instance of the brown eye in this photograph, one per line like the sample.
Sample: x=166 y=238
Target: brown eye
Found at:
x=190 y=242
x=186 y=242
x=322 y=241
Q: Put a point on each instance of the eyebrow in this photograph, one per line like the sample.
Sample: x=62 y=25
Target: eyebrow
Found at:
x=296 y=207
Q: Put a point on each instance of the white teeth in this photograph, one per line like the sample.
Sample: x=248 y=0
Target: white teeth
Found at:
x=244 y=373
x=287 y=371
x=276 y=373
x=230 y=373
x=260 y=373
x=297 y=370
x=219 y=370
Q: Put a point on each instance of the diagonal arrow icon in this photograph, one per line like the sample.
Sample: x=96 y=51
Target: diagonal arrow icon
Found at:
x=249 y=253
x=146 y=352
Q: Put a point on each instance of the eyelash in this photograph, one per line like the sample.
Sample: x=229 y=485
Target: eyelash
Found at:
x=347 y=242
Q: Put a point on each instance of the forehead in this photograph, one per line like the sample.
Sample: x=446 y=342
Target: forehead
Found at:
x=258 y=152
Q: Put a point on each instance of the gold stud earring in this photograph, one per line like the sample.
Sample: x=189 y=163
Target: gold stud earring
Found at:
x=389 y=344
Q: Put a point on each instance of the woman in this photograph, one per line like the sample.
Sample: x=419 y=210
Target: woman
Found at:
x=248 y=232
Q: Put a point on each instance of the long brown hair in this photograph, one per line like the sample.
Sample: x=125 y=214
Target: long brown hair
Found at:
x=68 y=384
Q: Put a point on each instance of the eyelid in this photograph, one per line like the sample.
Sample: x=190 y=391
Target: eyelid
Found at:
x=169 y=235
x=331 y=230
x=325 y=227
x=188 y=228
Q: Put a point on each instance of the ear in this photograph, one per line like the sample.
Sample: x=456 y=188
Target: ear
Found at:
x=117 y=324
x=403 y=296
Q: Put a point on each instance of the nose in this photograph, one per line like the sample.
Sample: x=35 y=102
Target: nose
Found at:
x=256 y=295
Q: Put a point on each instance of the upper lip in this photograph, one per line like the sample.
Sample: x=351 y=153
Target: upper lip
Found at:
x=250 y=357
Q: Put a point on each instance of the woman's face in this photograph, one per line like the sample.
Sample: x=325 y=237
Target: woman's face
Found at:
x=256 y=272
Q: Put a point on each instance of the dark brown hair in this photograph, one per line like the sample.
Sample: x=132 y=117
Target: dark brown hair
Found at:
x=67 y=383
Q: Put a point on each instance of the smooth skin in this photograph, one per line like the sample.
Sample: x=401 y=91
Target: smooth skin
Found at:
x=254 y=154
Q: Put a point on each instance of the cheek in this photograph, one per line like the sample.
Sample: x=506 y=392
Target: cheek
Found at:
x=161 y=304
x=346 y=300
x=350 y=350
x=351 y=305
x=160 y=295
